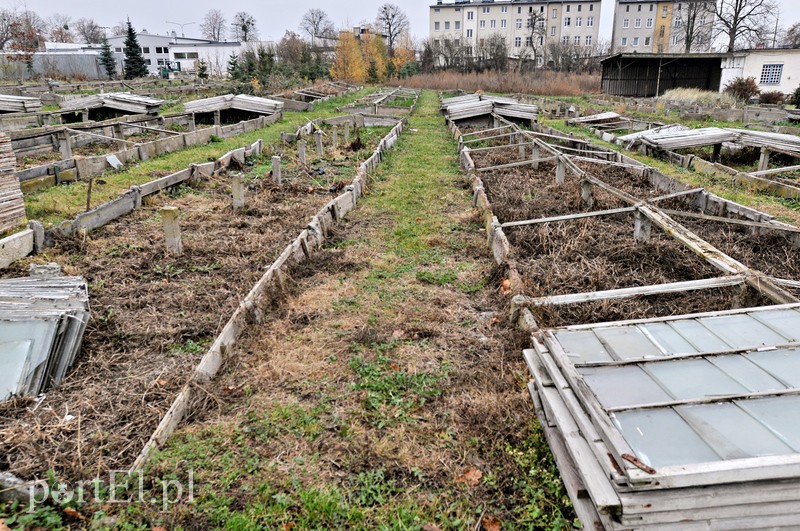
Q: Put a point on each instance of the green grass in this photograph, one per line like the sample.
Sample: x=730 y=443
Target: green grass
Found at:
x=58 y=203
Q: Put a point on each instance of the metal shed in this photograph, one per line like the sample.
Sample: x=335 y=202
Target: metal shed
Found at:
x=645 y=75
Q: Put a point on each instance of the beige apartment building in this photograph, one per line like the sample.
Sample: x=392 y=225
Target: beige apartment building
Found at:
x=527 y=26
x=648 y=26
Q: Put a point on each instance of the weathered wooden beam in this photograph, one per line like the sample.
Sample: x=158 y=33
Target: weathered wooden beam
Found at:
x=516 y=164
x=676 y=194
x=569 y=217
x=638 y=291
x=504 y=146
x=733 y=221
x=471 y=140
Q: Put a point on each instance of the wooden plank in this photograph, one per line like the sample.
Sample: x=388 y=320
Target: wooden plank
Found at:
x=569 y=217
x=639 y=291
x=517 y=164
x=733 y=221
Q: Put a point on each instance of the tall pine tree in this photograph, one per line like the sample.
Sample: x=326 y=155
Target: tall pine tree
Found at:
x=134 y=59
x=107 y=59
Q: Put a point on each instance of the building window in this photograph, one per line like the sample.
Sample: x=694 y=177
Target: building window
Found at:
x=436 y=26
x=519 y=10
x=482 y=24
x=578 y=21
x=541 y=41
x=528 y=42
x=469 y=33
x=540 y=23
x=664 y=12
x=504 y=9
x=649 y=23
x=591 y=7
x=118 y=50
x=589 y=22
x=436 y=10
x=771 y=74
x=566 y=21
x=635 y=41
x=519 y=23
x=482 y=43
x=579 y=8
x=564 y=40
x=567 y=8
x=187 y=55
x=577 y=40
x=626 y=22
x=624 y=41
x=147 y=62
x=436 y=42
x=458 y=10
x=503 y=23
x=677 y=22
x=485 y=9
x=640 y=7
x=470 y=15
x=588 y=40
x=552 y=31
x=661 y=31
x=447 y=25
x=555 y=13
x=675 y=40
x=146 y=49
x=647 y=41
x=517 y=41
x=627 y=9
x=637 y=23
x=457 y=24
x=493 y=24
x=703 y=20
x=651 y=8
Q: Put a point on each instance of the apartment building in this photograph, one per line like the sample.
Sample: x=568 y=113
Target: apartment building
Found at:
x=649 y=26
x=527 y=26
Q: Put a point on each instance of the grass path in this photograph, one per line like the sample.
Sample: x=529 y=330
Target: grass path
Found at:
x=387 y=392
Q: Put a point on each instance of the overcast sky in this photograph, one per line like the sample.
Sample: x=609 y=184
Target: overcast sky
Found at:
x=273 y=17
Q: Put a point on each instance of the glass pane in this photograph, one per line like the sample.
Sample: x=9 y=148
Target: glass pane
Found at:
x=782 y=364
x=660 y=437
x=699 y=336
x=693 y=379
x=741 y=331
x=747 y=373
x=582 y=346
x=669 y=339
x=628 y=342
x=623 y=386
x=787 y=322
x=731 y=432
x=13 y=364
x=781 y=414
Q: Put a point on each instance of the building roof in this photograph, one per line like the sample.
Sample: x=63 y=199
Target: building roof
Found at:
x=664 y=56
x=459 y=3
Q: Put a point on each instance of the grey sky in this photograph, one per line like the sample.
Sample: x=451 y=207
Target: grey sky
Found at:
x=273 y=17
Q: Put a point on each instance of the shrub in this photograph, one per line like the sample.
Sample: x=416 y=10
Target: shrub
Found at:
x=697 y=96
x=774 y=97
x=795 y=99
x=743 y=88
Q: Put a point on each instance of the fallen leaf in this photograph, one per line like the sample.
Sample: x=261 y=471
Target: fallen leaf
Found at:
x=505 y=286
x=490 y=523
x=310 y=189
x=69 y=511
x=471 y=477
x=287 y=526
x=162 y=382
x=430 y=527
x=395 y=367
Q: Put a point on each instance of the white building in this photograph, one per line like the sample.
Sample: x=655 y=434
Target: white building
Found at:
x=661 y=26
x=774 y=69
x=526 y=25
x=185 y=56
x=155 y=48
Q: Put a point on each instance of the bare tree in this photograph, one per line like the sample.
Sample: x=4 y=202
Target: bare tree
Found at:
x=213 y=26
x=537 y=34
x=317 y=24
x=243 y=27
x=792 y=37
x=492 y=53
x=696 y=20
x=744 y=20
x=59 y=28
x=7 y=19
x=393 y=22
x=120 y=28
x=89 y=31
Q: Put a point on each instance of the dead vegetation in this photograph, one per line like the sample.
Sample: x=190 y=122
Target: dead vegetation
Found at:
x=153 y=315
x=542 y=83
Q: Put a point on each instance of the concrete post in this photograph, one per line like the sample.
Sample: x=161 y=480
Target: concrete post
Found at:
x=172 y=230
x=217 y=118
x=347 y=132
x=301 y=151
x=535 y=156
x=192 y=126
x=763 y=161
x=162 y=124
x=560 y=171
x=641 y=227
x=85 y=115
x=276 y=170
x=65 y=144
x=237 y=191
x=521 y=148
x=318 y=141
x=586 y=194
x=120 y=136
x=335 y=139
